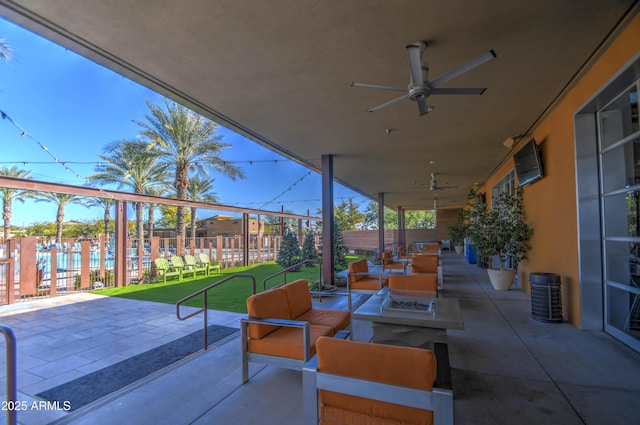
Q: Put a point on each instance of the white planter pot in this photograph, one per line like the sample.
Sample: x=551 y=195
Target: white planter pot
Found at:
x=501 y=279
x=459 y=249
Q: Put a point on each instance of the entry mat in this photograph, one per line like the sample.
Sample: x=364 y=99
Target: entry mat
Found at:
x=88 y=388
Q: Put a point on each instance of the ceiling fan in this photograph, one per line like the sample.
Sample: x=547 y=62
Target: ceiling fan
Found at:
x=420 y=88
x=433 y=184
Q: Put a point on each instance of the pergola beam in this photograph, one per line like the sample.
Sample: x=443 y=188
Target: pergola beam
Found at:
x=40 y=186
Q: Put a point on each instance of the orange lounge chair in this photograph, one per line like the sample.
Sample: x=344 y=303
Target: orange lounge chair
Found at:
x=282 y=327
x=351 y=382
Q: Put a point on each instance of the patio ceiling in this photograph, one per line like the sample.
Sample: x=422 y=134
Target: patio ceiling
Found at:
x=280 y=73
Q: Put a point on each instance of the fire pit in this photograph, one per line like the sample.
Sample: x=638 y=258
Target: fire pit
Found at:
x=414 y=301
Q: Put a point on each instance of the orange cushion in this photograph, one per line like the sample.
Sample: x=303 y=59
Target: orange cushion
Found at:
x=298 y=297
x=418 y=282
x=431 y=247
x=368 y=283
x=271 y=304
x=403 y=366
x=336 y=319
x=425 y=264
x=287 y=342
x=387 y=257
x=359 y=266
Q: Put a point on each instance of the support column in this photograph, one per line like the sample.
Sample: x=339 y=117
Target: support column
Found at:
x=402 y=233
x=245 y=239
x=120 y=244
x=380 y=222
x=282 y=221
x=328 y=266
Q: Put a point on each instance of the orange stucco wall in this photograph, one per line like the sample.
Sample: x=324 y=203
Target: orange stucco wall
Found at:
x=550 y=203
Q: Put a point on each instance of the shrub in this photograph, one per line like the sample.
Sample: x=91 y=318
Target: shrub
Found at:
x=290 y=252
x=309 y=251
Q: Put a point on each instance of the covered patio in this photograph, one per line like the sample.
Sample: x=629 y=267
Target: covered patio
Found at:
x=506 y=369
x=281 y=75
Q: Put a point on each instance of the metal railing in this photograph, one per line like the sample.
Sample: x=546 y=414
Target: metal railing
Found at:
x=204 y=308
x=294 y=267
x=12 y=396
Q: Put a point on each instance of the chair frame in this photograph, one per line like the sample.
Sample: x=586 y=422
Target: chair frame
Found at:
x=283 y=362
x=438 y=400
x=363 y=291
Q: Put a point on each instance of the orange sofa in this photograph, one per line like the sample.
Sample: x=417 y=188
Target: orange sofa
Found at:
x=417 y=282
x=431 y=248
x=389 y=264
x=428 y=264
x=352 y=382
x=282 y=327
x=361 y=279
x=425 y=264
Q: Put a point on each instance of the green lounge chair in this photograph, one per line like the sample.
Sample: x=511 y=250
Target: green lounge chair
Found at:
x=190 y=261
x=214 y=265
x=177 y=262
x=167 y=270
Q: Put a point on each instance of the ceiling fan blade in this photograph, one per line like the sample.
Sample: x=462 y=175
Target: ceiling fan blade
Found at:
x=422 y=106
x=414 y=52
x=457 y=91
x=389 y=103
x=376 y=86
x=463 y=68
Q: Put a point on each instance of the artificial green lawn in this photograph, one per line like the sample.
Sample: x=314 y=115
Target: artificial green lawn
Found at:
x=229 y=296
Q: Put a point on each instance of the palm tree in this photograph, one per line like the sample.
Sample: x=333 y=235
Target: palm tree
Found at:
x=129 y=164
x=8 y=195
x=6 y=51
x=200 y=189
x=105 y=204
x=61 y=200
x=186 y=142
x=151 y=207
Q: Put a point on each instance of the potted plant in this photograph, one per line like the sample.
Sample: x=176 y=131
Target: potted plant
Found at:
x=320 y=286
x=458 y=231
x=501 y=232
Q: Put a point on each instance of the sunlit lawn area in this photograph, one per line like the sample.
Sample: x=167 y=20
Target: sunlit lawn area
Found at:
x=230 y=296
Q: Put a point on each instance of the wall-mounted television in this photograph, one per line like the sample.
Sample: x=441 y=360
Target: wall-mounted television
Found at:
x=528 y=163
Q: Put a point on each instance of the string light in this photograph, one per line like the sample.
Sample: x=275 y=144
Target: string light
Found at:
x=24 y=133
x=65 y=164
x=341 y=198
x=285 y=191
x=99 y=163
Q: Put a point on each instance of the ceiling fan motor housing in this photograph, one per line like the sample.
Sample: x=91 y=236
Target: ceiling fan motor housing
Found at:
x=419 y=92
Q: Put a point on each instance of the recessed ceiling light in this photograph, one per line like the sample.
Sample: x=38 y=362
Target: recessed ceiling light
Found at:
x=432 y=162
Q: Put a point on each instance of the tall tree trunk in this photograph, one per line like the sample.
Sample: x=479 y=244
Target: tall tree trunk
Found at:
x=6 y=216
x=59 y=220
x=152 y=209
x=182 y=181
x=107 y=219
x=193 y=227
x=139 y=221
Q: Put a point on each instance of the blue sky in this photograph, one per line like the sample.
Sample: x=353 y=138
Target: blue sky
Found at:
x=75 y=107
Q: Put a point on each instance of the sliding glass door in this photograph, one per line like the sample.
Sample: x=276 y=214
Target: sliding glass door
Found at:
x=619 y=154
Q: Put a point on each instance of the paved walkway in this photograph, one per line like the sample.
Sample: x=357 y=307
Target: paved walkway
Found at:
x=60 y=339
x=506 y=368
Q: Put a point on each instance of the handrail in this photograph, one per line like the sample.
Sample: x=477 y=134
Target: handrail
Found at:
x=284 y=271
x=12 y=396
x=204 y=306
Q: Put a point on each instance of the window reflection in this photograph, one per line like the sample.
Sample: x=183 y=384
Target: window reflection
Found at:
x=620 y=118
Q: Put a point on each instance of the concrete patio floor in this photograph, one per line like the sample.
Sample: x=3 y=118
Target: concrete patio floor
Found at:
x=506 y=367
